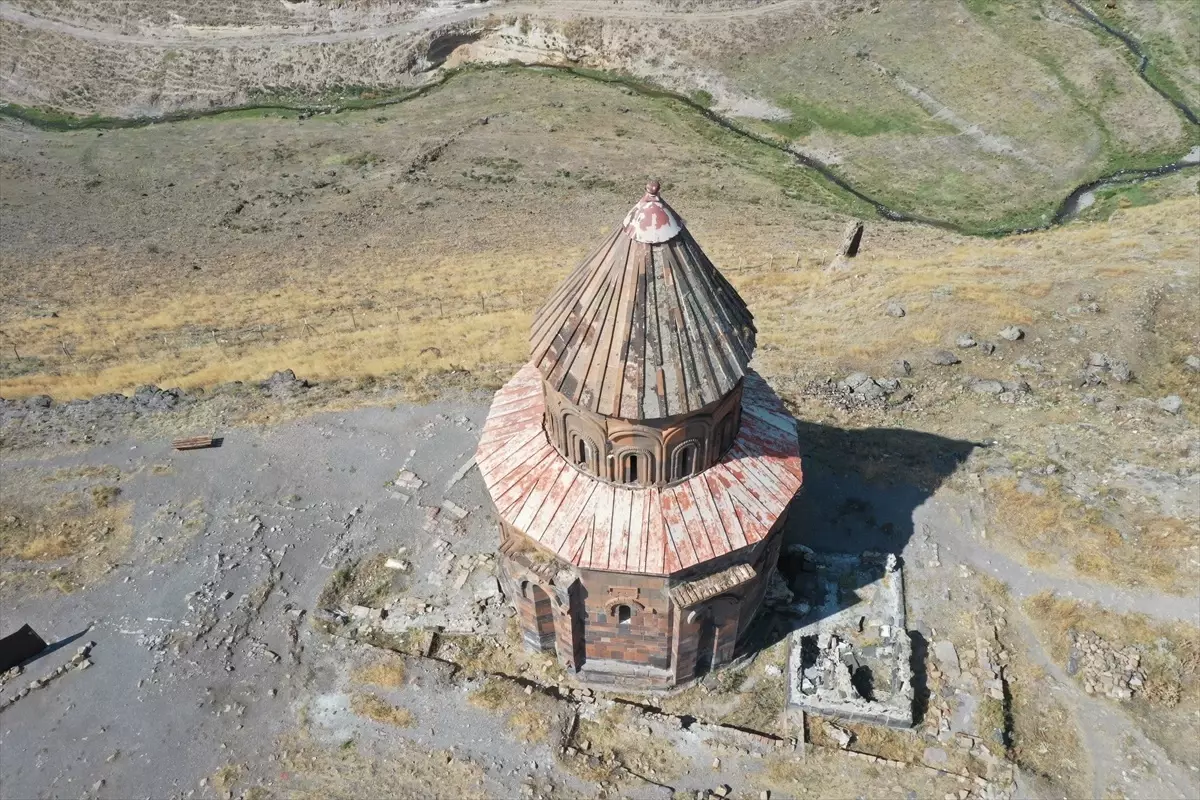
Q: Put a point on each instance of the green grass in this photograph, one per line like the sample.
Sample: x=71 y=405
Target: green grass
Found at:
x=970 y=199
x=806 y=116
x=1114 y=198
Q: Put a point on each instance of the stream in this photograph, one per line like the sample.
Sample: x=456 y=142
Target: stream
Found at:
x=1079 y=199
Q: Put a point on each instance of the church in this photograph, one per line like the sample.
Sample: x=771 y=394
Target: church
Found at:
x=640 y=470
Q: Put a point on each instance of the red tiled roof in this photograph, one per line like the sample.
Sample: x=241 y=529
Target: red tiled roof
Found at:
x=660 y=531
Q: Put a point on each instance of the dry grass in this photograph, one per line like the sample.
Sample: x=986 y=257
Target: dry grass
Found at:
x=104 y=496
x=1045 y=739
x=614 y=738
x=823 y=773
x=528 y=715
x=427 y=294
x=1055 y=527
x=312 y=771
x=372 y=706
x=386 y=672
x=49 y=534
x=357 y=583
x=1170 y=651
x=1168 y=707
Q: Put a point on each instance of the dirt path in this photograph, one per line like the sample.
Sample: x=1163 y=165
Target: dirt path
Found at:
x=191 y=36
x=951 y=521
x=1121 y=755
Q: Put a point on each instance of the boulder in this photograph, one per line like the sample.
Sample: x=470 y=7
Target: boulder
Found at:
x=942 y=358
x=965 y=340
x=1012 y=333
x=894 y=309
x=1172 y=404
x=283 y=384
x=855 y=380
x=1120 y=371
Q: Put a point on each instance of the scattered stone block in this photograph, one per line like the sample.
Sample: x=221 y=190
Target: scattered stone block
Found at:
x=947 y=656
x=1172 y=404
x=894 y=309
x=851 y=239
x=407 y=479
x=454 y=510
x=1012 y=333
x=942 y=358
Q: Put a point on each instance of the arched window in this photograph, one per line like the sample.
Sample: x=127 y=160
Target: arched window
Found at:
x=583 y=451
x=624 y=614
x=635 y=467
x=685 y=461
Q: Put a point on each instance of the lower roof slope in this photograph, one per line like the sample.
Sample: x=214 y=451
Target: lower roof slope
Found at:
x=593 y=524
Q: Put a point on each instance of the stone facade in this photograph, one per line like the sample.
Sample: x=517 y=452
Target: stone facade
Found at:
x=659 y=452
x=638 y=631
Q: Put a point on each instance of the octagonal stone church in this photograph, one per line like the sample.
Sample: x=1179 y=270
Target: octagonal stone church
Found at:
x=640 y=470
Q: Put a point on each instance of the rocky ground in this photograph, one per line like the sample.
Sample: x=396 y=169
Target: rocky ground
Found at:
x=260 y=595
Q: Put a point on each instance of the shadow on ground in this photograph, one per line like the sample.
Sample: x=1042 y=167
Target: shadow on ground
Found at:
x=861 y=488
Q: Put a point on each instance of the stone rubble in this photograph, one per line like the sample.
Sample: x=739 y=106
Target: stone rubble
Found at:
x=1103 y=669
x=78 y=662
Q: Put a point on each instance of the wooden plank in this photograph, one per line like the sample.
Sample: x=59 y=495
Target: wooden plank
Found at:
x=582 y=532
x=575 y=503
x=515 y=479
x=515 y=451
x=681 y=554
x=638 y=516
x=714 y=523
x=193 y=443
x=618 y=546
x=693 y=522
x=634 y=381
x=539 y=492
x=553 y=506
x=717 y=481
x=600 y=336
x=605 y=502
x=516 y=488
x=626 y=274
x=656 y=544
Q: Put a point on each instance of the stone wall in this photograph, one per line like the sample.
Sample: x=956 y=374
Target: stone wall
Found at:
x=624 y=629
x=644 y=637
x=668 y=450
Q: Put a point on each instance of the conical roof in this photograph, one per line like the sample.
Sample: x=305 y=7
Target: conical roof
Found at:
x=645 y=327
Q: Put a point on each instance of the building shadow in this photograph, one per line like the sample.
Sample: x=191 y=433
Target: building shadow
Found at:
x=861 y=487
